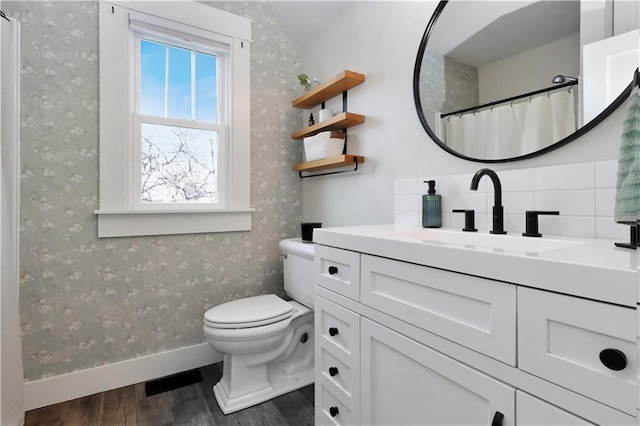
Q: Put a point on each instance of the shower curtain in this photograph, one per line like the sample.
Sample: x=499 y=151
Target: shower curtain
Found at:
x=11 y=375
x=513 y=130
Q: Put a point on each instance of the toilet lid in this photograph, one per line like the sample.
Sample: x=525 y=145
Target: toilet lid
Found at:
x=249 y=312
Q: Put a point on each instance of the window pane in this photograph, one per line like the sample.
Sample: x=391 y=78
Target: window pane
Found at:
x=206 y=88
x=179 y=164
x=179 y=83
x=152 y=77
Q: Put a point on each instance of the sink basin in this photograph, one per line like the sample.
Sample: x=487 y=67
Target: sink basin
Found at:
x=507 y=242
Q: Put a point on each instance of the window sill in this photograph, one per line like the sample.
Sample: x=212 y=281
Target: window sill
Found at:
x=128 y=223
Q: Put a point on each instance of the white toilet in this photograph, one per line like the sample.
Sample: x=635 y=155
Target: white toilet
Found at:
x=267 y=342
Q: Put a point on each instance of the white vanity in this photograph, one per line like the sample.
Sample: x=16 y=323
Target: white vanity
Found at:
x=419 y=326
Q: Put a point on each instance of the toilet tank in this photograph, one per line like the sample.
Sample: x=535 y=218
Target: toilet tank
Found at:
x=298 y=270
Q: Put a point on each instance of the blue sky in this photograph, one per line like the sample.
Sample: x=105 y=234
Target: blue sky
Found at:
x=154 y=75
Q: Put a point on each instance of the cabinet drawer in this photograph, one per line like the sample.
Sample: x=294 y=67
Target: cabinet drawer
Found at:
x=337 y=330
x=330 y=409
x=561 y=338
x=474 y=312
x=341 y=374
x=531 y=411
x=338 y=270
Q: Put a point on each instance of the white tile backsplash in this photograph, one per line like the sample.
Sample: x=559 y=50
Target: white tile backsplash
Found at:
x=570 y=226
x=579 y=202
x=412 y=203
x=407 y=218
x=606 y=174
x=517 y=202
x=583 y=193
x=606 y=227
x=605 y=202
x=570 y=176
x=460 y=184
x=514 y=224
x=517 y=180
x=469 y=201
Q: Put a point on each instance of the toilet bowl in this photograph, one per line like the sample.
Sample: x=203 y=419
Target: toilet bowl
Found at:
x=267 y=342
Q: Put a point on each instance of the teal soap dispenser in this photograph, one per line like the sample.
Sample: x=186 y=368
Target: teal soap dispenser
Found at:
x=431 y=207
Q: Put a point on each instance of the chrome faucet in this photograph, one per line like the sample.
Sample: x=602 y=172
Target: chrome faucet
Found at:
x=498 y=211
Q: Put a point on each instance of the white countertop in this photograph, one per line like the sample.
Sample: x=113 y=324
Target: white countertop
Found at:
x=591 y=268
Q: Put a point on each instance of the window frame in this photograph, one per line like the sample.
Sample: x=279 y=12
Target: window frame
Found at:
x=118 y=214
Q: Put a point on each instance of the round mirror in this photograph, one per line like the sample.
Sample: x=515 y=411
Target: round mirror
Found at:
x=498 y=81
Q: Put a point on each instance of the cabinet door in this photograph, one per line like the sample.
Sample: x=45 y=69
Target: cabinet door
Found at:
x=532 y=411
x=406 y=383
x=572 y=342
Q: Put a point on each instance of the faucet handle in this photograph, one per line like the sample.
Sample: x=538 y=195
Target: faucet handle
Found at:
x=469 y=219
x=531 y=221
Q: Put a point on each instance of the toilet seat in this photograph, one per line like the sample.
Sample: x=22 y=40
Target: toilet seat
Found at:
x=248 y=312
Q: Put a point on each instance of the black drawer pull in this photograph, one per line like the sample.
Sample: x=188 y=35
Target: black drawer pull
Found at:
x=497 y=419
x=333 y=331
x=613 y=359
x=334 y=411
x=333 y=371
x=333 y=270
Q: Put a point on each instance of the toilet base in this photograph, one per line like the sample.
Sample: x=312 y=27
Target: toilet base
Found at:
x=280 y=384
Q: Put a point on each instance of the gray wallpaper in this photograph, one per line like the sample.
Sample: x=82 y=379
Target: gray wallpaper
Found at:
x=446 y=85
x=87 y=301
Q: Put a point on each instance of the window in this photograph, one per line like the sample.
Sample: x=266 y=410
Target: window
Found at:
x=174 y=119
x=179 y=142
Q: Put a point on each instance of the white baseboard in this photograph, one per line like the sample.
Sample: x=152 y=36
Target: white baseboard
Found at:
x=65 y=387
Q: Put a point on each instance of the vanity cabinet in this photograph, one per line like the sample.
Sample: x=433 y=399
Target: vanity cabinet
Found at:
x=403 y=343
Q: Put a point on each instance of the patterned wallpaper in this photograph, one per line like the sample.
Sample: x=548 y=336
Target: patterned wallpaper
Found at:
x=87 y=301
x=459 y=90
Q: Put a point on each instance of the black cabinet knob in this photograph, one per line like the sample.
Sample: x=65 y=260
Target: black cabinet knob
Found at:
x=333 y=270
x=334 y=411
x=333 y=331
x=333 y=371
x=613 y=359
x=497 y=419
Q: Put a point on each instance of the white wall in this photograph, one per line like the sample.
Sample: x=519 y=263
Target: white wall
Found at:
x=530 y=70
x=380 y=39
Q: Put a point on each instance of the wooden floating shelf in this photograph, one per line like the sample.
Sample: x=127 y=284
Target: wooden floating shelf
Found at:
x=328 y=163
x=338 y=84
x=340 y=121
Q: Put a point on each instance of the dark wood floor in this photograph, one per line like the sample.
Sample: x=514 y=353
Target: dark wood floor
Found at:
x=189 y=405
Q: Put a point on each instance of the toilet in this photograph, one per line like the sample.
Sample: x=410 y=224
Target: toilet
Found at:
x=267 y=342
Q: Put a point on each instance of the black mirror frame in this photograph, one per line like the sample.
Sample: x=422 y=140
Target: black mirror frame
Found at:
x=581 y=131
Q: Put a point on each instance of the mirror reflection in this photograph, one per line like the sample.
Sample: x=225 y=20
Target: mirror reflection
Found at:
x=502 y=79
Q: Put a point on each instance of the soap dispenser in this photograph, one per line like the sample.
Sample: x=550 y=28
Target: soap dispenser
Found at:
x=431 y=207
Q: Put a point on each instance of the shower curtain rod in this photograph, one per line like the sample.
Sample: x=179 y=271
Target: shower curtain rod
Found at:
x=511 y=99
